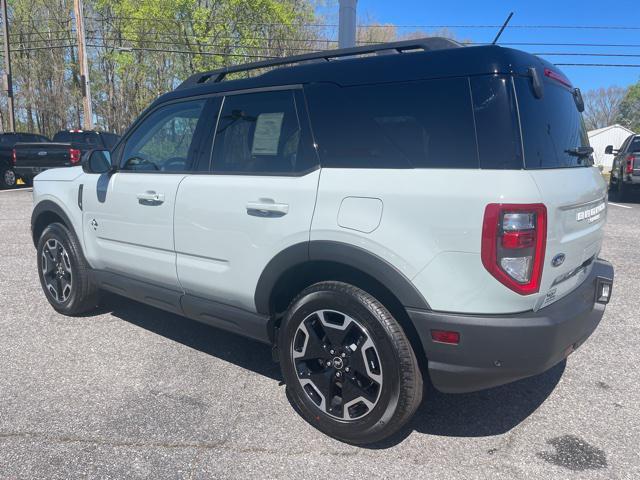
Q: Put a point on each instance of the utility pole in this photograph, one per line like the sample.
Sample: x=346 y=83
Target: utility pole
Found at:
x=347 y=24
x=8 y=82
x=84 y=65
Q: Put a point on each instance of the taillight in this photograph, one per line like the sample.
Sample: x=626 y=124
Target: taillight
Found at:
x=13 y=157
x=514 y=237
x=630 y=159
x=74 y=155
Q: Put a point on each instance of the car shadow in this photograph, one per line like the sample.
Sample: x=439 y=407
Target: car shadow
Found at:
x=485 y=413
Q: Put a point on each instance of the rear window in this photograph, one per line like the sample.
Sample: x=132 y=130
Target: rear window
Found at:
x=634 y=146
x=425 y=124
x=90 y=139
x=551 y=126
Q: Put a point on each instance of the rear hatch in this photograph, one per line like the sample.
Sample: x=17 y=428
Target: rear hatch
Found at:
x=556 y=154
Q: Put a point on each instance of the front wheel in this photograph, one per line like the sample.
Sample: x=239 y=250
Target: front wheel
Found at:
x=348 y=365
x=64 y=272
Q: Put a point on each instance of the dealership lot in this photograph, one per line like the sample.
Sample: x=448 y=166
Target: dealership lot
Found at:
x=133 y=391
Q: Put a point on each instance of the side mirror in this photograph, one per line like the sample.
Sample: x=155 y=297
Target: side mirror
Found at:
x=609 y=150
x=98 y=162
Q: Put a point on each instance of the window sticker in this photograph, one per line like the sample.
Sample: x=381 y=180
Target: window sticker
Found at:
x=266 y=137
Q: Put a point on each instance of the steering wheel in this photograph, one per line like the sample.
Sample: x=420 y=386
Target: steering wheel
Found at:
x=177 y=164
x=139 y=162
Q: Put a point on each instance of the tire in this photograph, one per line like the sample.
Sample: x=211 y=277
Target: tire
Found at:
x=337 y=338
x=64 y=274
x=7 y=178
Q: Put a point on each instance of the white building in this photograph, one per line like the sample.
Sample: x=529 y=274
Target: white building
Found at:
x=599 y=139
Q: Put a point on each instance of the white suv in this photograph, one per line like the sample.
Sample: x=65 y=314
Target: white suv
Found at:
x=430 y=212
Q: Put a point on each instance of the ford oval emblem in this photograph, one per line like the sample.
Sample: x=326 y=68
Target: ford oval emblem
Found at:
x=558 y=260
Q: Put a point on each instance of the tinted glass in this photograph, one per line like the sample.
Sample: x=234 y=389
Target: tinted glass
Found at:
x=551 y=126
x=259 y=133
x=634 y=146
x=426 y=124
x=162 y=142
x=496 y=115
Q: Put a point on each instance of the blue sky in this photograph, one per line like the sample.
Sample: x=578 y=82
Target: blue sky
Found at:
x=539 y=12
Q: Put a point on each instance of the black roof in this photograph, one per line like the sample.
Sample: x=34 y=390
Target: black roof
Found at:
x=451 y=61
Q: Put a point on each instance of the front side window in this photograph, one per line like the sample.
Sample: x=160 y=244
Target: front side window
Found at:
x=259 y=133
x=163 y=141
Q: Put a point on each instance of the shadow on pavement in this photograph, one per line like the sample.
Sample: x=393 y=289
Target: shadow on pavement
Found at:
x=486 y=413
x=232 y=348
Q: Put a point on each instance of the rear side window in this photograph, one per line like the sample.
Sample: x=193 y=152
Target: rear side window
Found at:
x=552 y=127
x=634 y=146
x=260 y=133
x=496 y=115
x=425 y=124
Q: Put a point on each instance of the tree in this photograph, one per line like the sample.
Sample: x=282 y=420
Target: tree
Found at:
x=139 y=49
x=629 y=111
x=602 y=106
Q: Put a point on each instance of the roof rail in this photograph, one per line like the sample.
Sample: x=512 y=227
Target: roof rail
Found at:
x=426 y=44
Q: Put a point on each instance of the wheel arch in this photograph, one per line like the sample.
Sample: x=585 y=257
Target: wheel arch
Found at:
x=45 y=213
x=304 y=264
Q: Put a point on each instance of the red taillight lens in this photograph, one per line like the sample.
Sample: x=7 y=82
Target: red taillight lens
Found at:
x=445 y=336
x=630 y=160
x=13 y=157
x=74 y=155
x=513 y=244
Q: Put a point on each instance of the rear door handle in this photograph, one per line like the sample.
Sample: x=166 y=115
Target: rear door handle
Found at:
x=150 y=198
x=266 y=207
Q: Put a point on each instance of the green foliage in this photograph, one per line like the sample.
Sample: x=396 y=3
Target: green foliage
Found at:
x=139 y=49
x=629 y=115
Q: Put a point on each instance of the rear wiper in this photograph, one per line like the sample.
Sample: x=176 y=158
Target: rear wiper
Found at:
x=580 y=151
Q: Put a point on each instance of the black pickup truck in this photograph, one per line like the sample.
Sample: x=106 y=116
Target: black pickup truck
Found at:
x=7 y=142
x=65 y=150
x=625 y=171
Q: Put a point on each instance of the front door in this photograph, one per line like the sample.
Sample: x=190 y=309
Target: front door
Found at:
x=128 y=216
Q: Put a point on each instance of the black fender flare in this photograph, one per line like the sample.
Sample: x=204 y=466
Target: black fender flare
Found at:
x=46 y=206
x=343 y=253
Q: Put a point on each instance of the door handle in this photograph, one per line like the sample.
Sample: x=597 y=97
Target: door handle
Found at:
x=150 y=198
x=266 y=207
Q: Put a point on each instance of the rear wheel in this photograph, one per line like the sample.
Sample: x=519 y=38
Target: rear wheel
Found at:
x=349 y=368
x=64 y=272
x=7 y=178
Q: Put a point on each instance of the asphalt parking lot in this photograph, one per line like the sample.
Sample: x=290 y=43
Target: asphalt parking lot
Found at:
x=135 y=392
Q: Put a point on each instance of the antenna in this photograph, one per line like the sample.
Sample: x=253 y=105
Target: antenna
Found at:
x=504 y=25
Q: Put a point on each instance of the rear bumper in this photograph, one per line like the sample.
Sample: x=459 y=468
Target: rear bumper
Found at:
x=494 y=350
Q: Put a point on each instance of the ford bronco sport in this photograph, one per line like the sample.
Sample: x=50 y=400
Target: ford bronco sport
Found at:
x=379 y=215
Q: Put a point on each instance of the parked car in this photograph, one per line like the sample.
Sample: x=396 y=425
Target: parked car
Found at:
x=7 y=141
x=65 y=150
x=625 y=171
x=375 y=220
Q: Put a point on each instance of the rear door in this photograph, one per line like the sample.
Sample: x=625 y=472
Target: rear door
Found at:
x=258 y=199
x=573 y=191
x=128 y=216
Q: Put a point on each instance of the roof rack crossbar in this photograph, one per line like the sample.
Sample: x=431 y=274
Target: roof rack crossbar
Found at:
x=426 y=44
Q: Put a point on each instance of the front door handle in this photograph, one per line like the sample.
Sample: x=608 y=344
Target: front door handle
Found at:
x=150 y=198
x=266 y=207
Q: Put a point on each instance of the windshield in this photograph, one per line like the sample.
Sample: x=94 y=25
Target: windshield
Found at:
x=553 y=131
